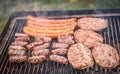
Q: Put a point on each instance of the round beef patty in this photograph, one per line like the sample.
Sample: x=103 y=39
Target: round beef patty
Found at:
x=90 y=23
x=105 y=55
x=88 y=37
x=80 y=56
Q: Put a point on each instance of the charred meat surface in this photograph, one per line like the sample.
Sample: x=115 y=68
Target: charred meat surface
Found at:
x=37 y=59
x=40 y=52
x=19 y=43
x=59 y=45
x=88 y=37
x=60 y=51
x=68 y=39
x=12 y=52
x=80 y=56
x=44 y=39
x=17 y=58
x=58 y=59
x=16 y=47
x=32 y=45
x=42 y=46
x=105 y=56
x=22 y=39
x=95 y=24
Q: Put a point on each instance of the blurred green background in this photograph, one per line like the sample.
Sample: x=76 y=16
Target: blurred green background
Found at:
x=7 y=7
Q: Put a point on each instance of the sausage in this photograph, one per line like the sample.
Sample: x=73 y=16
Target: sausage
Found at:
x=22 y=39
x=44 y=39
x=59 y=45
x=20 y=35
x=16 y=47
x=42 y=46
x=52 y=21
x=37 y=59
x=40 y=52
x=68 y=39
x=12 y=52
x=18 y=59
x=59 y=51
x=19 y=43
x=31 y=45
x=58 y=59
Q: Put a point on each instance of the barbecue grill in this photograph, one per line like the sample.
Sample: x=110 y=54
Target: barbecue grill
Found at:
x=16 y=22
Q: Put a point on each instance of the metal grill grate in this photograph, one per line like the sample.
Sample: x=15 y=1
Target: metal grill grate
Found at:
x=111 y=36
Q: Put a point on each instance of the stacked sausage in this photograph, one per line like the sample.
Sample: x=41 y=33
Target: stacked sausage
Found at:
x=60 y=48
x=49 y=27
x=16 y=50
x=39 y=49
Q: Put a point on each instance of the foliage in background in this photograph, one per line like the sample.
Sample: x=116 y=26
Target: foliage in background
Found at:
x=7 y=7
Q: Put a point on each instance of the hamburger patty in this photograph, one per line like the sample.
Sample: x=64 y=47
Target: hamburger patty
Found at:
x=87 y=37
x=105 y=55
x=90 y=23
x=80 y=56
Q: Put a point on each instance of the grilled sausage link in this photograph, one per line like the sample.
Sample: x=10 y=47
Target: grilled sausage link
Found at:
x=59 y=51
x=17 y=59
x=20 y=35
x=44 y=39
x=31 y=45
x=40 y=52
x=59 y=45
x=16 y=47
x=20 y=43
x=58 y=59
x=37 y=59
x=22 y=39
x=12 y=52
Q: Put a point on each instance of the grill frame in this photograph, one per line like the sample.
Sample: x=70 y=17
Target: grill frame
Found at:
x=8 y=33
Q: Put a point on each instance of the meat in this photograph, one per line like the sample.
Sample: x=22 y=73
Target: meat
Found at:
x=44 y=39
x=68 y=39
x=60 y=51
x=22 y=39
x=87 y=37
x=40 y=52
x=19 y=43
x=17 y=58
x=16 y=47
x=95 y=24
x=105 y=56
x=37 y=59
x=12 y=52
x=31 y=45
x=42 y=46
x=58 y=59
x=59 y=45
x=20 y=35
x=80 y=56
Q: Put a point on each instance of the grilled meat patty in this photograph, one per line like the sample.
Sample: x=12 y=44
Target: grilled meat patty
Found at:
x=88 y=37
x=37 y=59
x=44 y=39
x=40 y=52
x=105 y=55
x=19 y=43
x=68 y=39
x=16 y=47
x=58 y=59
x=59 y=45
x=17 y=58
x=80 y=56
x=91 y=23
x=32 y=45
x=12 y=52
x=59 y=51
x=22 y=39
